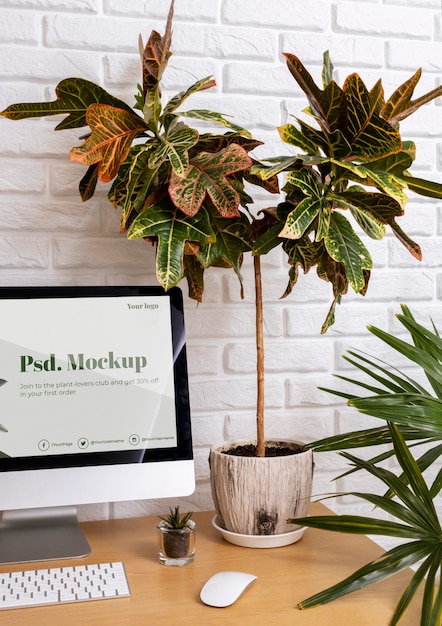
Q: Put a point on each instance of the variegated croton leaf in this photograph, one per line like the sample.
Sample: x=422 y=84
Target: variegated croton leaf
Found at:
x=154 y=59
x=74 y=96
x=233 y=238
x=180 y=190
x=156 y=54
x=174 y=147
x=171 y=230
x=351 y=167
x=187 y=245
x=113 y=132
x=208 y=174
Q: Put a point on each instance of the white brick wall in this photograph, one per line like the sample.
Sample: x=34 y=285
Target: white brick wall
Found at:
x=47 y=236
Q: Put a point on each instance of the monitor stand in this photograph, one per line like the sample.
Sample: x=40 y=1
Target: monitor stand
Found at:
x=41 y=535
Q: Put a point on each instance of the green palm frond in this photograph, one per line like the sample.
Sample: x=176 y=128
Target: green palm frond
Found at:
x=413 y=506
x=390 y=394
x=367 y=437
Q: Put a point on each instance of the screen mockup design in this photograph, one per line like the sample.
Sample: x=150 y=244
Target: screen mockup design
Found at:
x=86 y=375
x=94 y=408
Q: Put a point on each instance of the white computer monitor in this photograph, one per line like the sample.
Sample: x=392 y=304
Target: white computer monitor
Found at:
x=94 y=408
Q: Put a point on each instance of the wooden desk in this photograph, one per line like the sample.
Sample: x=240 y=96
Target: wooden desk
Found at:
x=169 y=596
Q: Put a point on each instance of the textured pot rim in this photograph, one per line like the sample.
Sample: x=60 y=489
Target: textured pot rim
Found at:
x=226 y=445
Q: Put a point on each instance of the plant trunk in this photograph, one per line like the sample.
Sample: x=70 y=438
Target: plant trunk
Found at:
x=260 y=436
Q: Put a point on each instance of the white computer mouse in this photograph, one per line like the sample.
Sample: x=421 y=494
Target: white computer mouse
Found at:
x=224 y=588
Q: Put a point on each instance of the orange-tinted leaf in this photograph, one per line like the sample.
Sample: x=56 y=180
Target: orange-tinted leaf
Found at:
x=113 y=131
x=88 y=183
x=413 y=248
x=156 y=54
x=400 y=105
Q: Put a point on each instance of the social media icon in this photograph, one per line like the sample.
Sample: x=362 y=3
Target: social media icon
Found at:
x=134 y=440
x=83 y=443
x=43 y=445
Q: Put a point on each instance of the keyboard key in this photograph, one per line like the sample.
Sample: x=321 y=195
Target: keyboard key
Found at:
x=63 y=584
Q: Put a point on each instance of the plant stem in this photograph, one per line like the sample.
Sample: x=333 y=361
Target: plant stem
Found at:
x=260 y=438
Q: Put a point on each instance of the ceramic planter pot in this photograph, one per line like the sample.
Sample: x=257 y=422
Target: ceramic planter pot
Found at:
x=176 y=545
x=256 y=495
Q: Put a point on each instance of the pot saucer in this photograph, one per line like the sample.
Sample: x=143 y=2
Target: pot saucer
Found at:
x=260 y=541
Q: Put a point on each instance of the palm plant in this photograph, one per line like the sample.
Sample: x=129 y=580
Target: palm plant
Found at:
x=413 y=414
x=418 y=524
x=395 y=396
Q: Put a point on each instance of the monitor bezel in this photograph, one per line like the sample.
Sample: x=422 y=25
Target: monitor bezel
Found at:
x=183 y=450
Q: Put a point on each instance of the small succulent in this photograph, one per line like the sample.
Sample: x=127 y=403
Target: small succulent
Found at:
x=175 y=520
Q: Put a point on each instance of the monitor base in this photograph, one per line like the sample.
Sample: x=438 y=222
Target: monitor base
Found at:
x=41 y=535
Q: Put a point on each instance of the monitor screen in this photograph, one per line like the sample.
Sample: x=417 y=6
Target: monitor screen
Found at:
x=94 y=390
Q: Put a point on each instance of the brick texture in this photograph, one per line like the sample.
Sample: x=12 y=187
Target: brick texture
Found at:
x=47 y=236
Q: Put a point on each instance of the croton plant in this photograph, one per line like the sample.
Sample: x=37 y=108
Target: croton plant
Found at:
x=177 y=188
x=184 y=191
x=353 y=163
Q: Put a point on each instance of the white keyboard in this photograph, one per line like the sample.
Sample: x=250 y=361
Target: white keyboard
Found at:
x=63 y=584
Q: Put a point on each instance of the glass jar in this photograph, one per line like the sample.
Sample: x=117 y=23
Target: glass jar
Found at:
x=176 y=545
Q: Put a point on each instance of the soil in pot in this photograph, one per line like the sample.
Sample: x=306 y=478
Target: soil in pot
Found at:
x=272 y=449
x=176 y=543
